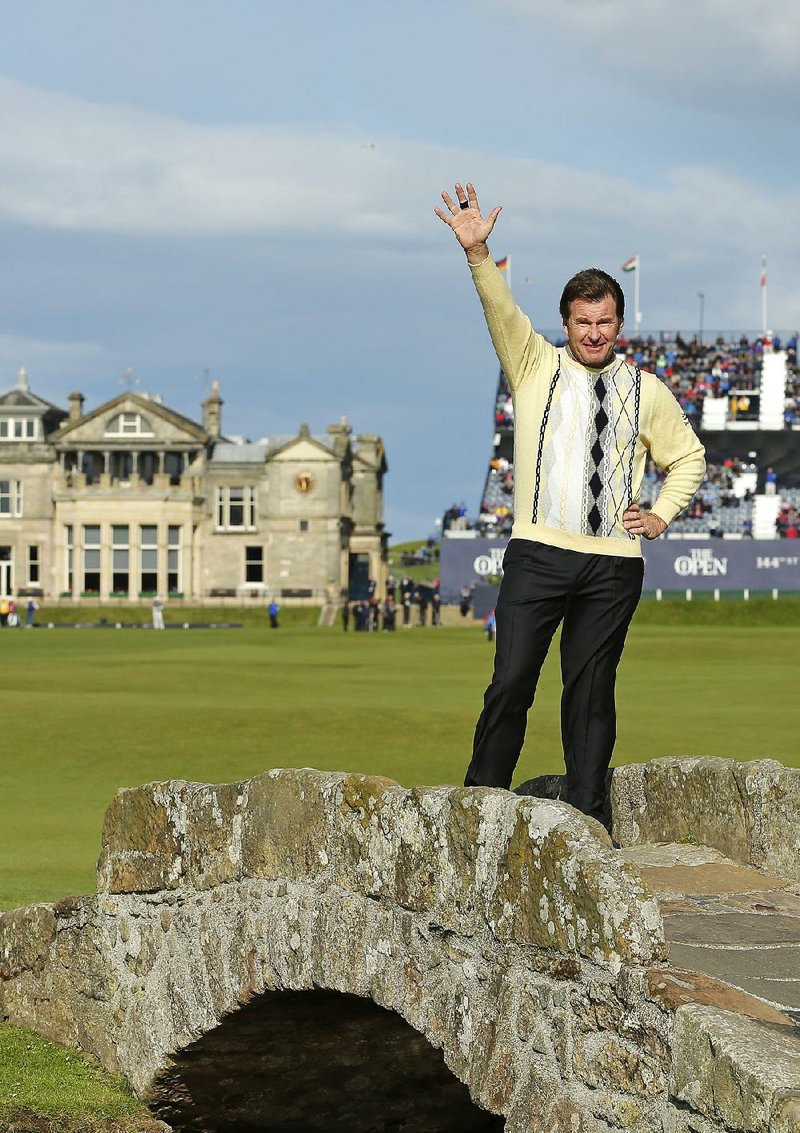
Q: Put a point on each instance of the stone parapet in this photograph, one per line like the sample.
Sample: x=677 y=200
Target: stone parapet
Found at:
x=749 y=811
x=528 y=871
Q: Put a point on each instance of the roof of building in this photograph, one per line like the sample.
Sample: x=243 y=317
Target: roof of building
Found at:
x=21 y=397
x=280 y=440
x=147 y=404
x=228 y=452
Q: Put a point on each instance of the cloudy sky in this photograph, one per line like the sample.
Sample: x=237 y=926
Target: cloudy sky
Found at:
x=245 y=189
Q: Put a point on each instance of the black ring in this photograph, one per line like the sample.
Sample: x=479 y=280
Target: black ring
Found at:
x=463 y=204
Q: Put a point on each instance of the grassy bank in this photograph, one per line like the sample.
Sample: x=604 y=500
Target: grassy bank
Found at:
x=46 y=1088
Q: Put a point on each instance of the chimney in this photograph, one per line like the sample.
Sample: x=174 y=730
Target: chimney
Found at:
x=75 y=406
x=343 y=428
x=212 y=411
x=22 y=379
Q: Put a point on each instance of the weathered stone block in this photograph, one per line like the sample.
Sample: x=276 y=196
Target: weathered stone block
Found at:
x=613 y=1111
x=558 y=886
x=302 y=824
x=748 y=810
x=733 y=1070
x=145 y=846
x=786 y=1115
x=26 y=937
x=567 y=1116
x=772 y=798
x=676 y=800
x=603 y=1061
x=444 y=853
x=214 y=839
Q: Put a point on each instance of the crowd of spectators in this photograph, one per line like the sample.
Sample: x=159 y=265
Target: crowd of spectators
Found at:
x=405 y=603
x=455 y=518
x=787 y=522
x=791 y=405
x=694 y=369
x=504 y=405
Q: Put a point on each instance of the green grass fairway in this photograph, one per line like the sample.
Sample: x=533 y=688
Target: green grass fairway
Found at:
x=89 y=711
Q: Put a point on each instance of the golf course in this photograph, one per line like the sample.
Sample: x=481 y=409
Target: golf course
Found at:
x=90 y=711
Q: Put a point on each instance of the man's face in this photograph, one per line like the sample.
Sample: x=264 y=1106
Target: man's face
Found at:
x=592 y=329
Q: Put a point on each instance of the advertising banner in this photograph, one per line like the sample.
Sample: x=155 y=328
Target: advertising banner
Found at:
x=670 y=564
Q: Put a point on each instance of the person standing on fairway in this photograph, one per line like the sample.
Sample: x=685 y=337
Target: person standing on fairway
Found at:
x=584 y=424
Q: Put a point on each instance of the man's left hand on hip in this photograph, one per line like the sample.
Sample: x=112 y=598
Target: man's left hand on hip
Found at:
x=643 y=523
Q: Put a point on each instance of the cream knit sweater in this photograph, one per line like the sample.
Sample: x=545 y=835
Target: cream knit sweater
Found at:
x=582 y=435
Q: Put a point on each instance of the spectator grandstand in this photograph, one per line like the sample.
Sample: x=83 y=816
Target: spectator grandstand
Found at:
x=742 y=395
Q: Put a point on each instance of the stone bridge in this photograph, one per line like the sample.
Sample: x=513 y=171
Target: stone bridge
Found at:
x=313 y=951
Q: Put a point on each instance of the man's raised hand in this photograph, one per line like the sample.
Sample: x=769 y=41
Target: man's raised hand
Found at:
x=464 y=217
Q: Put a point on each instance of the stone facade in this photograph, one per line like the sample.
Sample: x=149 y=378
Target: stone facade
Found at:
x=503 y=932
x=133 y=499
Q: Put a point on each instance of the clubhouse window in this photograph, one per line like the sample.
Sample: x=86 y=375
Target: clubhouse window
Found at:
x=236 y=508
x=129 y=425
x=148 y=559
x=70 y=560
x=173 y=559
x=254 y=564
x=173 y=466
x=19 y=429
x=120 y=558
x=33 y=565
x=91 y=558
x=10 y=499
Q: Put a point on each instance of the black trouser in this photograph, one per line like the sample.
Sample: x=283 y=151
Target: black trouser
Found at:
x=596 y=596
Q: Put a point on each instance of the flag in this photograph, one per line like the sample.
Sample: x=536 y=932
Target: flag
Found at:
x=630 y=265
x=763 y=271
x=504 y=264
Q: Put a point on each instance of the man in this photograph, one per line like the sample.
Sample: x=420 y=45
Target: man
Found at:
x=158 y=613
x=585 y=422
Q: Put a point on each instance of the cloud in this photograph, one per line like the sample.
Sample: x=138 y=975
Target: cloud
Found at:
x=69 y=164
x=42 y=356
x=732 y=57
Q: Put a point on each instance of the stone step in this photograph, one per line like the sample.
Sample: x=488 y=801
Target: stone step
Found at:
x=731 y=922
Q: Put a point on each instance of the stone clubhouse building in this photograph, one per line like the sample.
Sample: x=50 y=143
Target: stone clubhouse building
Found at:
x=132 y=500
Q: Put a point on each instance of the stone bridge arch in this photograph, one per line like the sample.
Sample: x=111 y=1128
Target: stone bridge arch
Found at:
x=504 y=931
x=320 y=1061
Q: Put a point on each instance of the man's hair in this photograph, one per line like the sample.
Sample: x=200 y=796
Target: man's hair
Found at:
x=591 y=284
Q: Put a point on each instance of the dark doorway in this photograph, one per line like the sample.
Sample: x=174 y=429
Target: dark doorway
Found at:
x=315 y=1062
x=358 y=583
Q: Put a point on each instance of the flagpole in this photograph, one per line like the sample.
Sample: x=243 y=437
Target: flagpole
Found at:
x=764 y=294
x=634 y=265
x=504 y=266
